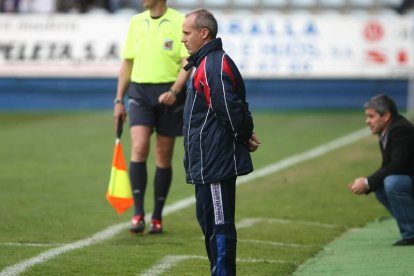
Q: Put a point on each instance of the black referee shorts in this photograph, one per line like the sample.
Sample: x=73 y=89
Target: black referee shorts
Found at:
x=144 y=109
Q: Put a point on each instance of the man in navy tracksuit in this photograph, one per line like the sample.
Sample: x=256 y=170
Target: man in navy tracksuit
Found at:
x=218 y=136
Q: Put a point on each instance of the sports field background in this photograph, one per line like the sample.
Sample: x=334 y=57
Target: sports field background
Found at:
x=54 y=171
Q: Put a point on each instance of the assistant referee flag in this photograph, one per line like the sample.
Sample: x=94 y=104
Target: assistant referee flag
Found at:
x=119 y=192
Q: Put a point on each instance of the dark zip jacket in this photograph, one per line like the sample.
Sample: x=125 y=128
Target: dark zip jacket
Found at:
x=398 y=154
x=217 y=121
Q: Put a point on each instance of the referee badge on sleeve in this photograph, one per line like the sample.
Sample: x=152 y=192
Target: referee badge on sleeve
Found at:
x=168 y=44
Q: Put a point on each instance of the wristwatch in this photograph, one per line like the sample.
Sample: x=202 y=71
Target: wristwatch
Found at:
x=175 y=92
x=118 y=101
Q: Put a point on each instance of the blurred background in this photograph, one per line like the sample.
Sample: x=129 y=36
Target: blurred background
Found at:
x=293 y=54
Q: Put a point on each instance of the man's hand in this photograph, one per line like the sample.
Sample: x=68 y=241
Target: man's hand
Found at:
x=119 y=111
x=358 y=186
x=253 y=143
x=167 y=98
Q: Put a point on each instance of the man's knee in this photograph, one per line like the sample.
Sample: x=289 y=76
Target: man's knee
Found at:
x=163 y=161
x=139 y=151
x=140 y=143
x=164 y=152
x=394 y=183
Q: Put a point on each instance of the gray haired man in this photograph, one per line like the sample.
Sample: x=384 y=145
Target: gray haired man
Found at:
x=393 y=182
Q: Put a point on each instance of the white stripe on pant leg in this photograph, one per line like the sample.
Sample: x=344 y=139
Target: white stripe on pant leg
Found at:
x=217 y=203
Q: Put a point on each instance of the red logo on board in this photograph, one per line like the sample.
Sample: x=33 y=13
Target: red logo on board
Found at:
x=373 y=31
x=402 y=57
x=376 y=56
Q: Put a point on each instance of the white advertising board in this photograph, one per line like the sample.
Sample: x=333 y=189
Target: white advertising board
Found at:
x=61 y=45
x=263 y=46
x=317 y=46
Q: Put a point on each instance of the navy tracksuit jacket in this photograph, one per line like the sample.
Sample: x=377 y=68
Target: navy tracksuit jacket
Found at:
x=217 y=122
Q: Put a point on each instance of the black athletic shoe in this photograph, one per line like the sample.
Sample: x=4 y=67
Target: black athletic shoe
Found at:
x=404 y=242
x=156 y=227
x=137 y=224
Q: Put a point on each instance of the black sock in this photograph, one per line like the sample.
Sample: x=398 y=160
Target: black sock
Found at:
x=162 y=183
x=138 y=177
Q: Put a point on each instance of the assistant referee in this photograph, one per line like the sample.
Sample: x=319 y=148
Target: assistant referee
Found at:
x=151 y=74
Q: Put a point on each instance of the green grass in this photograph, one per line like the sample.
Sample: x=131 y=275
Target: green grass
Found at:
x=54 y=171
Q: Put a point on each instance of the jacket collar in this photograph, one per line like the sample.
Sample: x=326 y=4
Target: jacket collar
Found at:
x=195 y=59
x=394 y=120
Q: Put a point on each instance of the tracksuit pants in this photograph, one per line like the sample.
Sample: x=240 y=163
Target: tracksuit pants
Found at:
x=215 y=208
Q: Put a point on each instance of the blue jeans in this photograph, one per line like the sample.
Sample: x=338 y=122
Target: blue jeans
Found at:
x=398 y=197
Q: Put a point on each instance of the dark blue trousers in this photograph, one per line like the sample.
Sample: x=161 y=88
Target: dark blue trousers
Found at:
x=215 y=207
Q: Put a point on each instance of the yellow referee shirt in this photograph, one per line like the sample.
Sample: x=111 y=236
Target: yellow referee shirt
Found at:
x=155 y=46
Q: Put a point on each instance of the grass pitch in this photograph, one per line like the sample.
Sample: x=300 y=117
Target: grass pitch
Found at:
x=54 y=171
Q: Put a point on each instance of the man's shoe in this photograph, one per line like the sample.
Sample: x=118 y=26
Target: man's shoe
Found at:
x=404 y=242
x=156 y=227
x=137 y=224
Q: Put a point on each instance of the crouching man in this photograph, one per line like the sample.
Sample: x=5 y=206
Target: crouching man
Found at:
x=393 y=182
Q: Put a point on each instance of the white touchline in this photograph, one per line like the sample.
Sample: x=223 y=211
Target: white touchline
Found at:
x=248 y=222
x=169 y=262
x=310 y=154
x=21 y=244
x=181 y=204
x=49 y=254
x=278 y=244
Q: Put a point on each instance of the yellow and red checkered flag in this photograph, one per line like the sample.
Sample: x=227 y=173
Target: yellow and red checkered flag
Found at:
x=119 y=192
